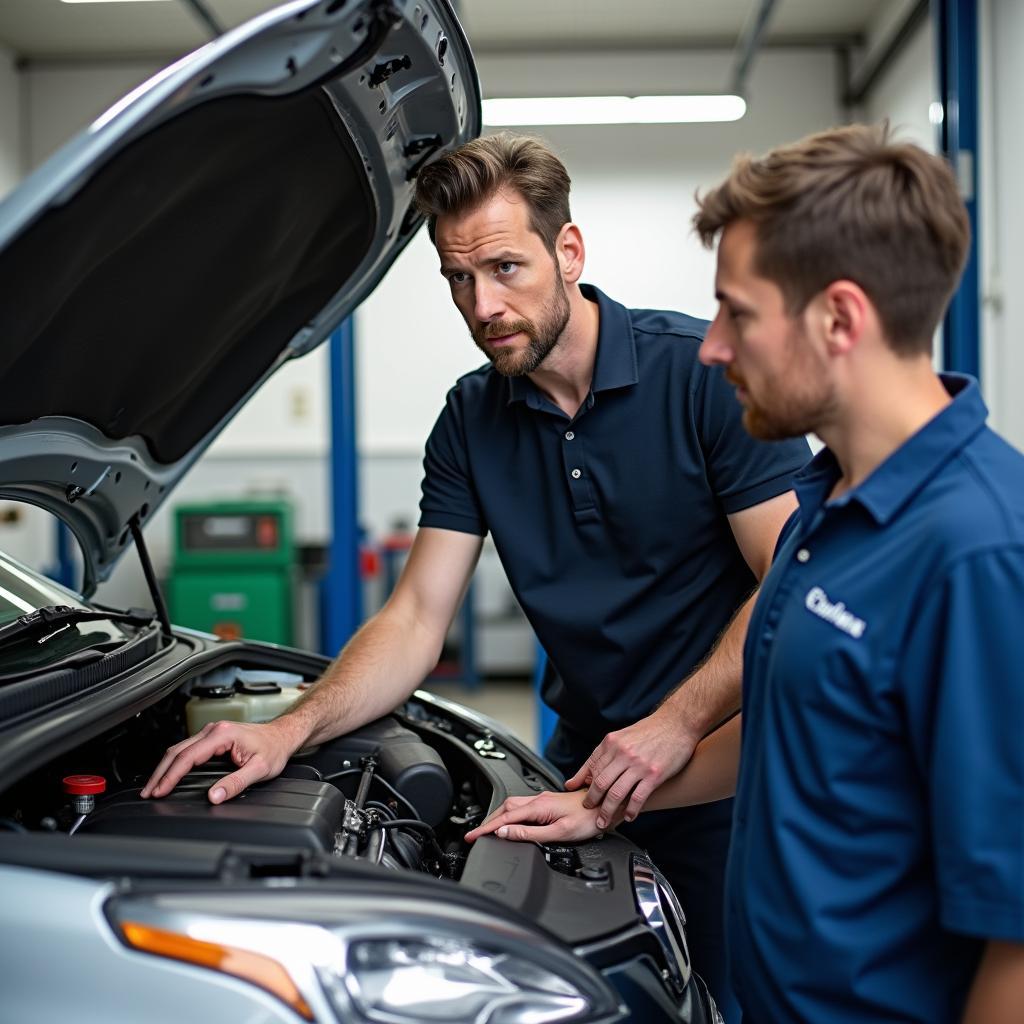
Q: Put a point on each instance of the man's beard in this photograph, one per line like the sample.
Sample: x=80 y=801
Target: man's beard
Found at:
x=795 y=400
x=543 y=336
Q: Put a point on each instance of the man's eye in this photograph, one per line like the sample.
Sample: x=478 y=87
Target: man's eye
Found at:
x=507 y=268
x=458 y=277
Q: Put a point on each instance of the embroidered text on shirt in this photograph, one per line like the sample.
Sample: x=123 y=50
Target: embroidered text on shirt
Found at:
x=817 y=602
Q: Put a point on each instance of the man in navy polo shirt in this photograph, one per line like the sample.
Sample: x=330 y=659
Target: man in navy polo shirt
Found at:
x=632 y=512
x=877 y=865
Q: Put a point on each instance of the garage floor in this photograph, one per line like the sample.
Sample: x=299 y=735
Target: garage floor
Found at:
x=511 y=702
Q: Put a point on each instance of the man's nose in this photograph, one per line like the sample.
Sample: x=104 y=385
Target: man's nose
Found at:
x=716 y=347
x=488 y=303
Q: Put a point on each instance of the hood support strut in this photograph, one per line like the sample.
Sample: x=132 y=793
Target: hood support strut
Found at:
x=147 y=570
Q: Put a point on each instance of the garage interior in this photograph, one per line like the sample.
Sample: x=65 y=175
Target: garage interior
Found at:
x=326 y=459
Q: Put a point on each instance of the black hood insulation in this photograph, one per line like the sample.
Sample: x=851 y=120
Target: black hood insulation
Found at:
x=151 y=304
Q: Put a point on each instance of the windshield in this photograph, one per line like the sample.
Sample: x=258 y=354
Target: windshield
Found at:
x=22 y=591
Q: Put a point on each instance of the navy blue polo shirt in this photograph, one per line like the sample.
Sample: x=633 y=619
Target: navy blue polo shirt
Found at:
x=611 y=524
x=878 y=836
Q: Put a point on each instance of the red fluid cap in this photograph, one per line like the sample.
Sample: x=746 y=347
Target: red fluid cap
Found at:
x=83 y=785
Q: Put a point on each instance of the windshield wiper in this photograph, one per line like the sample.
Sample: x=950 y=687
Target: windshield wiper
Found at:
x=57 y=617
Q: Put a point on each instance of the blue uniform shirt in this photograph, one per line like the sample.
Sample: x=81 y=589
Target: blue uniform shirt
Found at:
x=878 y=837
x=611 y=525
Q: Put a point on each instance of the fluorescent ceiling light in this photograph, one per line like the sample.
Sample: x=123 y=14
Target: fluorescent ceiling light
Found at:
x=612 y=110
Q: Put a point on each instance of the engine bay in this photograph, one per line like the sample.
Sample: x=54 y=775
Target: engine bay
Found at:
x=379 y=794
x=388 y=804
x=399 y=792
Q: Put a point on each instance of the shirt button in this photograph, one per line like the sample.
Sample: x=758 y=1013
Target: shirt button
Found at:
x=576 y=474
x=803 y=555
x=569 y=435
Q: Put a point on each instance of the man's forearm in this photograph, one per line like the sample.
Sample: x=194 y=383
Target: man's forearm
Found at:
x=711 y=693
x=709 y=775
x=997 y=994
x=376 y=670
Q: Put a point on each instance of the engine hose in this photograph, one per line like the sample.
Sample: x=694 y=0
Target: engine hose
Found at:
x=369 y=766
x=375 y=846
x=416 y=826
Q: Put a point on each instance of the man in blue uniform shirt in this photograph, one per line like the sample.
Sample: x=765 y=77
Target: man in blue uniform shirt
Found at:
x=877 y=864
x=632 y=512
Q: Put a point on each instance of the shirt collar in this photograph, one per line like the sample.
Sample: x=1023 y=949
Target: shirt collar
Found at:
x=892 y=484
x=615 y=365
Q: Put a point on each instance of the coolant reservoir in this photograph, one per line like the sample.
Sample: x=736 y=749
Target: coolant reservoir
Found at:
x=241 y=695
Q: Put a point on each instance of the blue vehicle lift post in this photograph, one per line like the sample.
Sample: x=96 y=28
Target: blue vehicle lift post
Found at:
x=547 y=720
x=956 y=35
x=64 y=570
x=342 y=587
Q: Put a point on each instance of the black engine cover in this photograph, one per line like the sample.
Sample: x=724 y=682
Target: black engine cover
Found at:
x=281 y=812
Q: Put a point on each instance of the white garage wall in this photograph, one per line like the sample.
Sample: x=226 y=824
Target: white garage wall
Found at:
x=1002 y=213
x=62 y=99
x=904 y=94
x=906 y=90
x=10 y=122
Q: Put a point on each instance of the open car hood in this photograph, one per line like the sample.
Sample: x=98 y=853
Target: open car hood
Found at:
x=221 y=219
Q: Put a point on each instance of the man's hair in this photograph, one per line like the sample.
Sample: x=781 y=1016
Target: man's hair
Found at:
x=851 y=204
x=471 y=174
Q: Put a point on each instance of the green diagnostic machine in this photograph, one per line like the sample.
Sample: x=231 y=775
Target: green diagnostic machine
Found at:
x=233 y=570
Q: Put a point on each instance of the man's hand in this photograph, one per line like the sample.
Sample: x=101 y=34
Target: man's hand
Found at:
x=260 y=751
x=554 y=817
x=631 y=763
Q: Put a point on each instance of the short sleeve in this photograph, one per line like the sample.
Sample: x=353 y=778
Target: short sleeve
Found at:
x=964 y=685
x=449 y=500
x=741 y=471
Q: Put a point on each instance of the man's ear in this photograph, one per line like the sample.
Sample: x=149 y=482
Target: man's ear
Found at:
x=570 y=253
x=847 y=313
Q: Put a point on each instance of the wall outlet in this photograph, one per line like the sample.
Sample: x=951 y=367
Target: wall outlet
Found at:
x=300 y=404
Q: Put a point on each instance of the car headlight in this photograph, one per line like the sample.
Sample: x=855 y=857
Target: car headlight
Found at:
x=660 y=908
x=393 y=961
x=436 y=979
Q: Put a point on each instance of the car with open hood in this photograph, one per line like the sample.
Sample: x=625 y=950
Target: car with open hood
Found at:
x=220 y=220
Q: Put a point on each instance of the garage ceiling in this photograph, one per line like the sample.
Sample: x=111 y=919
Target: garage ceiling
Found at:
x=44 y=29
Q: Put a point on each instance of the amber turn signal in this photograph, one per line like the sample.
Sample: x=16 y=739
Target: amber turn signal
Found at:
x=254 y=968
